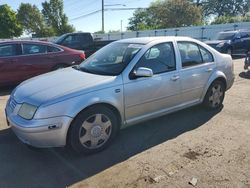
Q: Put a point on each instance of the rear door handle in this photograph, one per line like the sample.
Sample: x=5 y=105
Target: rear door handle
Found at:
x=175 y=77
x=209 y=70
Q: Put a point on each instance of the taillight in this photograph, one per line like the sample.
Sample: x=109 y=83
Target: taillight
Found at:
x=82 y=56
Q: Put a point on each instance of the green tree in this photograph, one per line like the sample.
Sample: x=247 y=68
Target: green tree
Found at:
x=176 y=13
x=231 y=19
x=9 y=26
x=226 y=7
x=55 y=17
x=33 y=21
x=141 y=20
x=165 y=14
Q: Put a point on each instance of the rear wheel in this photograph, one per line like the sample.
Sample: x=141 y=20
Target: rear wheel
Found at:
x=215 y=95
x=93 y=130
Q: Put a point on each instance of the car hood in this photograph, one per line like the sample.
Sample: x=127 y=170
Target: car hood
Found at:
x=63 y=83
x=211 y=42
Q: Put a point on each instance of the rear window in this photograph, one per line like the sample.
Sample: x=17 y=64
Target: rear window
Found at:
x=51 y=49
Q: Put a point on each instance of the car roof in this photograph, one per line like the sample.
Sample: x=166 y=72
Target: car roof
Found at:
x=26 y=41
x=146 y=40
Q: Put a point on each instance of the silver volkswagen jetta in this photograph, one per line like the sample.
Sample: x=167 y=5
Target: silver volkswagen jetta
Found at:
x=124 y=83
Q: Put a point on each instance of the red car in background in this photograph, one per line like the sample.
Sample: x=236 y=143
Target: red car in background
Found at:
x=20 y=60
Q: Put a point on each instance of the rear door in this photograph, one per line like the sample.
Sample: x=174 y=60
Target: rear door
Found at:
x=10 y=72
x=197 y=66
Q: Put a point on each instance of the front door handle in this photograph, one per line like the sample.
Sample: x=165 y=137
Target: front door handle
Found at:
x=175 y=77
x=209 y=70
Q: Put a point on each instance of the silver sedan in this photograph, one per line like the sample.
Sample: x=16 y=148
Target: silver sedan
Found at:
x=124 y=83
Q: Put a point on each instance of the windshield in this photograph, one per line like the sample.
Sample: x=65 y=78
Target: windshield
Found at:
x=225 y=36
x=59 y=39
x=112 y=59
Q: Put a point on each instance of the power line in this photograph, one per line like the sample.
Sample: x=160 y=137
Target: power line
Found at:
x=106 y=9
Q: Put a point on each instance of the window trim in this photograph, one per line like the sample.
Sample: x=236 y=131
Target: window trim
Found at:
x=199 y=47
x=61 y=50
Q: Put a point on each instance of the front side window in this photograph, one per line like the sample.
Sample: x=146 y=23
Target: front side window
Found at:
x=33 y=49
x=111 y=59
x=160 y=58
x=72 y=39
x=8 y=50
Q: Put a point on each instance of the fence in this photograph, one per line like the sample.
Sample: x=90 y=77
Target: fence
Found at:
x=207 y=32
x=202 y=33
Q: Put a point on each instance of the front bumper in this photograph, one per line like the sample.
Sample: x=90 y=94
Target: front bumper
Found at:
x=51 y=132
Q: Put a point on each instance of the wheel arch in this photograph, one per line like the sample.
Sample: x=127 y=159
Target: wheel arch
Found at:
x=102 y=104
x=217 y=76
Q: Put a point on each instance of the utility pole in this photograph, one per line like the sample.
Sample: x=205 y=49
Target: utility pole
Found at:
x=103 y=16
x=121 y=26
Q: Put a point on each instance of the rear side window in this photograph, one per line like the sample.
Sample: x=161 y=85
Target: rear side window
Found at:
x=33 y=49
x=193 y=54
x=51 y=49
x=8 y=50
x=206 y=55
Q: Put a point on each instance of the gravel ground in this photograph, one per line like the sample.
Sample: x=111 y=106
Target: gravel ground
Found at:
x=212 y=148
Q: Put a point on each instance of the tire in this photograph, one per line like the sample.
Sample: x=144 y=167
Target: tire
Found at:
x=93 y=130
x=215 y=95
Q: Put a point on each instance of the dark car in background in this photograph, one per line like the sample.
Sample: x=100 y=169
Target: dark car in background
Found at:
x=232 y=42
x=82 y=41
x=20 y=60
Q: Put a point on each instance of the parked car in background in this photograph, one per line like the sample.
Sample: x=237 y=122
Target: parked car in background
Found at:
x=125 y=82
x=232 y=42
x=81 y=41
x=20 y=60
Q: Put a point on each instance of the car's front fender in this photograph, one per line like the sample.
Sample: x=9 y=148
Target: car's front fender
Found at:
x=71 y=107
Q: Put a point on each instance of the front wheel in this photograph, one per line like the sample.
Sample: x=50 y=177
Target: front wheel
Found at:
x=93 y=130
x=215 y=95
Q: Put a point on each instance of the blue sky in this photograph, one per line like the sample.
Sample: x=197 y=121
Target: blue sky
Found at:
x=76 y=8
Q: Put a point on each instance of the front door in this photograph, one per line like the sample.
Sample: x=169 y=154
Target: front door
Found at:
x=146 y=97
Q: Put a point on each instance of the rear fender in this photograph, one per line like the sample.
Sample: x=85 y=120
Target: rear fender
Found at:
x=216 y=75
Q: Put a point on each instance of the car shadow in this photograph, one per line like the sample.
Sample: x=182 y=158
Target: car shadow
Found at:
x=60 y=167
x=245 y=75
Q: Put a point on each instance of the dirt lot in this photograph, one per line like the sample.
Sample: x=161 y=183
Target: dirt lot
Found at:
x=212 y=147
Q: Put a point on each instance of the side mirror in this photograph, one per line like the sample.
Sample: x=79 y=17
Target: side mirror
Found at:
x=142 y=72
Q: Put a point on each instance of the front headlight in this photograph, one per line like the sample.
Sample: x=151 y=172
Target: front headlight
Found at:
x=220 y=45
x=27 y=111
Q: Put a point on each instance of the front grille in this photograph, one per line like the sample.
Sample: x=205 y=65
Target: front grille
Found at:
x=12 y=104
